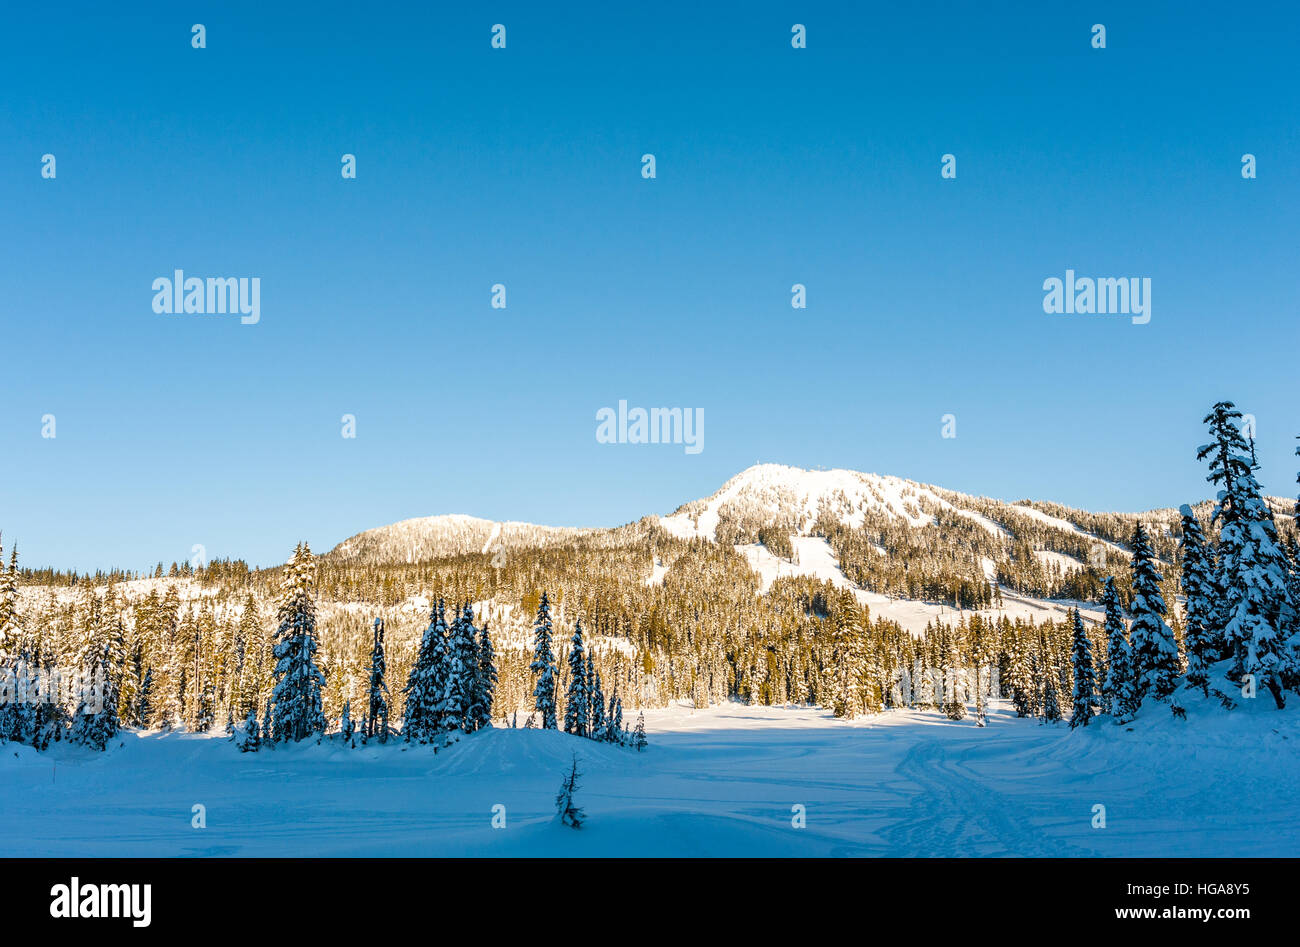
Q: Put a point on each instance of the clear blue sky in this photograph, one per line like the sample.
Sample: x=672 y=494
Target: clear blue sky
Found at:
x=522 y=166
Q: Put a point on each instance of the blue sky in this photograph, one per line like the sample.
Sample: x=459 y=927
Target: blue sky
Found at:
x=522 y=166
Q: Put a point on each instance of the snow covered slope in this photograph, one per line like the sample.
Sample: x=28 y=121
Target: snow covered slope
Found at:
x=794 y=500
x=717 y=782
x=792 y=507
x=766 y=494
x=797 y=504
x=430 y=537
x=793 y=496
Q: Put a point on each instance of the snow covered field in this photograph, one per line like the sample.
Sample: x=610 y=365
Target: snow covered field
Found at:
x=714 y=783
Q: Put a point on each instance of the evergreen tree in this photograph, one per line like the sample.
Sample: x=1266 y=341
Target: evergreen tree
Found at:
x=566 y=810
x=1118 y=695
x=543 y=666
x=251 y=681
x=425 y=690
x=205 y=710
x=130 y=690
x=377 y=714
x=1041 y=678
x=980 y=652
x=268 y=732
x=173 y=679
x=1252 y=568
x=297 y=693
x=346 y=727
x=638 y=735
x=1018 y=680
x=10 y=634
x=599 y=729
x=615 y=717
x=47 y=719
x=248 y=740
x=11 y=727
x=1198 y=588
x=1085 y=683
x=577 y=702
x=1154 y=649
x=469 y=658
x=1042 y=669
x=95 y=721
x=485 y=681
x=1227 y=457
x=462 y=666
x=145 y=706
x=921 y=693
x=87 y=651
x=1051 y=706
x=954 y=691
x=1293 y=585
x=847 y=660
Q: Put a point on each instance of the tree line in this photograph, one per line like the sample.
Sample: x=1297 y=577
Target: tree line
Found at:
x=319 y=639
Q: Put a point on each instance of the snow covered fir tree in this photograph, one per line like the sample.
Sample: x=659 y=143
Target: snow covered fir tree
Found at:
x=723 y=600
x=375 y=725
x=296 y=696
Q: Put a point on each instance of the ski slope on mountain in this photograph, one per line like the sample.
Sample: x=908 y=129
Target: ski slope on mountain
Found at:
x=814 y=557
x=718 y=782
x=797 y=497
x=789 y=493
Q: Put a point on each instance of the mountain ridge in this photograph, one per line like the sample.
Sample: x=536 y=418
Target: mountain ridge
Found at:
x=762 y=496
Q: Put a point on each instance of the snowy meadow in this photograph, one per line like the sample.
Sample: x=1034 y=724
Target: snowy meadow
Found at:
x=733 y=780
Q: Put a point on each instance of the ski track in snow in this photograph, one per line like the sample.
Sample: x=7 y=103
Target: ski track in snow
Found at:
x=963 y=816
x=714 y=782
x=492 y=537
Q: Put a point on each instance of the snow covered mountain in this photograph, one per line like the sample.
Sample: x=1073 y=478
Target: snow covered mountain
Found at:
x=888 y=540
x=795 y=498
x=790 y=499
x=432 y=537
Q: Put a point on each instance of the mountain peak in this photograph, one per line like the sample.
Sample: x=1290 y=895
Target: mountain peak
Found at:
x=448 y=534
x=793 y=498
